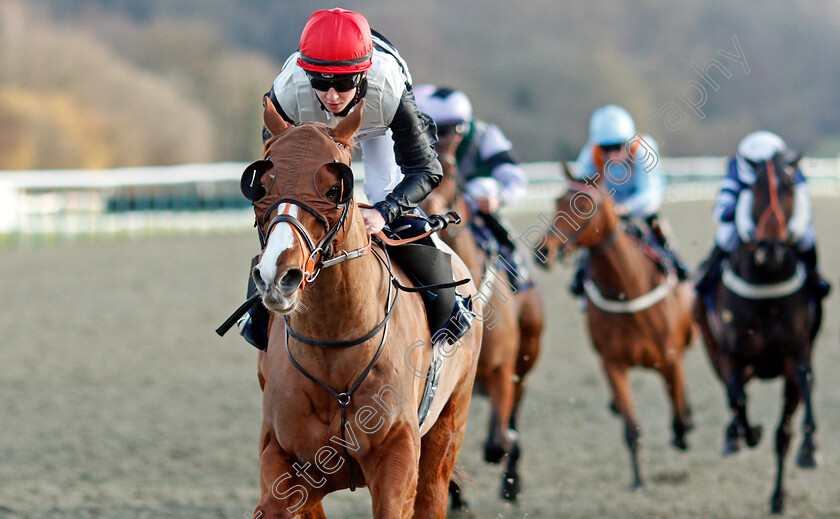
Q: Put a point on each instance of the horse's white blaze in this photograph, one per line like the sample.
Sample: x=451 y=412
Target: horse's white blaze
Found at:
x=281 y=239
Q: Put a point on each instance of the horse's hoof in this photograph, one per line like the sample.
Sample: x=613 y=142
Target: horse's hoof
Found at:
x=680 y=443
x=753 y=436
x=808 y=458
x=494 y=453
x=510 y=488
x=637 y=486
x=777 y=504
x=731 y=447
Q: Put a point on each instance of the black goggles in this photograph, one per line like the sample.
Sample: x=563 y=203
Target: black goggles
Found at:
x=612 y=148
x=341 y=83
x=445 y=130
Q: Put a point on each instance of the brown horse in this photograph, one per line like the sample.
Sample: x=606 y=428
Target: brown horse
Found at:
x=340 y=379
x=511 y=341
x=761 y=320
x=637 y=314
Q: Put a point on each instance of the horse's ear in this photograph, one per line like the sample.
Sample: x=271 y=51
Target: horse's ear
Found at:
x=564 y=166
x=272 y=119
x=347 y=128
x=792 y=159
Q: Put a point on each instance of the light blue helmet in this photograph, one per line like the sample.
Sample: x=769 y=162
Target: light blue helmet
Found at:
x=611 y=124
x=760 y=146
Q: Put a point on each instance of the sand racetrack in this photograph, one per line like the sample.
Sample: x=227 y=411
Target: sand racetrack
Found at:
x=117 y=400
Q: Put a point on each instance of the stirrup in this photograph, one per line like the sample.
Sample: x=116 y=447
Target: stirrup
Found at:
x=458 y=323
x=247 y=331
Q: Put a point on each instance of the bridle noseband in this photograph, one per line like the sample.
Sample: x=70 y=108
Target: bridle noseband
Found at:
x=318 y=255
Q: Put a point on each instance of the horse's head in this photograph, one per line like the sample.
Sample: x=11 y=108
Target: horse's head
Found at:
x=584 y=218
x=302 y=191
x=770 y=206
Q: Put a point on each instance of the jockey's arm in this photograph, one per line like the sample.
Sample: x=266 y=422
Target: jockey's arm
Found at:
x=802 y=216
x=729 y=191
x=497 y=153
x=648 y=190
x=414 y=140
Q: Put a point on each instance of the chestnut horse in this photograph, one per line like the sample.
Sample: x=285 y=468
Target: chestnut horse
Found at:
x=763 y=320
x=638 y=315
x=340 y=379
x=512 y=329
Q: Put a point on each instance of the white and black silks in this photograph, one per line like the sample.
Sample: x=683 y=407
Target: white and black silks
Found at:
x=390 y=108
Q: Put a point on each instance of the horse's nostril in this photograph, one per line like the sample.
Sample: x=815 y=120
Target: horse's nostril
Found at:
x=291 y=281
x=258 y=280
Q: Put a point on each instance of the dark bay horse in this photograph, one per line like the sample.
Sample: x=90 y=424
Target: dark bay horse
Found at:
x=512 y=329
x=762 y=320
x=340 y=398
x=638 y=315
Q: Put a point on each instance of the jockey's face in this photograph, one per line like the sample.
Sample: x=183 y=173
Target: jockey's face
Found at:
x=335 y=101
x=614 y=152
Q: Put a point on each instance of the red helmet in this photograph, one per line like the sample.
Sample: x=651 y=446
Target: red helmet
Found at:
x=336 y=41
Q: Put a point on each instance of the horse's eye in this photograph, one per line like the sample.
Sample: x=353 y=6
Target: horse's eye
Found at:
x=333 y=192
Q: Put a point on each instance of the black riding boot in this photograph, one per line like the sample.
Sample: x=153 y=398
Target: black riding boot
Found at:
x=709 y=271
x=661 y=237
x=819 y=285
x=253 y=326
x=449 y=314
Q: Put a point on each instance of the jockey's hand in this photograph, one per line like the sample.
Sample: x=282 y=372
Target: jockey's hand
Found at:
x=373 y=220
x=488 y=204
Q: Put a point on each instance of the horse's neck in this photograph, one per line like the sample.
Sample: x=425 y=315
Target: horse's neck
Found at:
x=621 y=269
x=346 y=300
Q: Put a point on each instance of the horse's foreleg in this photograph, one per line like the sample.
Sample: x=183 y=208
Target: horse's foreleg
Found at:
x=807 y=457
x=438 y=454
x=740 y=426
x=783 y=433
x=498 y=382
x=617 y=376
x=283 y=494
x=530 y=330
x=675 y=381
x=391 y=475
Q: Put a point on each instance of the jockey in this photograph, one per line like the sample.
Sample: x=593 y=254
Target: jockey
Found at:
x=483 y=156
x=628 y=167
x=341 y=61
x=755 y=148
